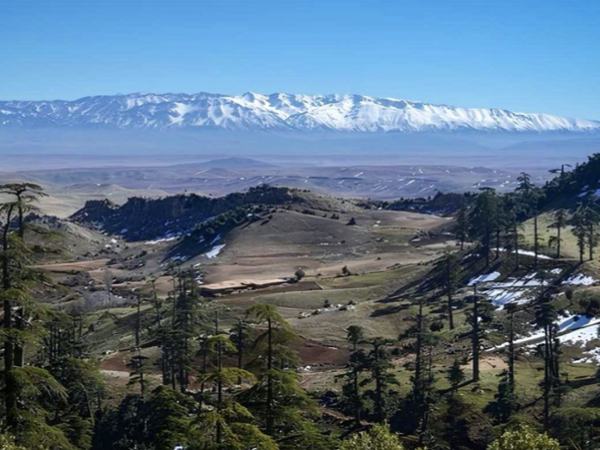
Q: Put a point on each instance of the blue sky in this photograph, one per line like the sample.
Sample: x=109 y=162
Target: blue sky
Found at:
x=524 y=55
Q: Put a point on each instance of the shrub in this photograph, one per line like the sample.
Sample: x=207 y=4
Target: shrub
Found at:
x=377 y=438
x=524 y=438
x=299 y=274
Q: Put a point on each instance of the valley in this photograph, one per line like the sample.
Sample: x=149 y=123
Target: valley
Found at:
x=115 y=274
x=70 y=188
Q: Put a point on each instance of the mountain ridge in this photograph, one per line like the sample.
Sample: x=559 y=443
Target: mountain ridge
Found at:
x=274 y=112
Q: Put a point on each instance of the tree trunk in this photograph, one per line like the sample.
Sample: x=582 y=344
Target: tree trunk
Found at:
x=450 y=287
x=516 y=230
x=378 y=388
x=156 y=305
x=591 y=241
x=475 y=336
x=138 y=323
x=219 y=392
x=357 y=396
x=450 y=312
x=535 y=240
x=240 y=348
x=270 y=418
x=558 y=243
x=488 y=239
x=21 y=231
x=511 y=352
x=546 y=378
x=418 y=348
x=10 y=397
x=19 y=349
x=497 y=243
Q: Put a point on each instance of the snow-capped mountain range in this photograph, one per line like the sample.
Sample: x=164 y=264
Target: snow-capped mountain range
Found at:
x=253 y=111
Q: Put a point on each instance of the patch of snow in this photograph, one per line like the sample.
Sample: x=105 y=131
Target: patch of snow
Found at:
x=575 y=322
x=160 y=241
x=572 y=328
x=214 y=252
x=527 y=281
x=500 y=297
x=483 y=278
x=529 y=253
x=580 y=280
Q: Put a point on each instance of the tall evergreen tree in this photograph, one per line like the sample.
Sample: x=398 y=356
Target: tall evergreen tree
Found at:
x=510 y=309
x=240 y=336
x=560 y=222
x=484 y=219
x=530 y=197
x=580 y=229
x=139 y=372
x=25 y=195
x=266 y=314
x=379 y=366
x=545 y=318
x=220 y=345
x=510 y=222
x=462 y=226
x=591 y=218
x=355 y=336
x=455 y=377
x=476 y=317
x=451 y=272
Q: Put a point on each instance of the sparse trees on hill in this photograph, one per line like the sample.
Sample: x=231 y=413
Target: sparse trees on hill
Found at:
x=178 y=340
x=240 y=387
x=530 y=197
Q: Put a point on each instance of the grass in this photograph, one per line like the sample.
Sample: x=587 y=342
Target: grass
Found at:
x=569 y=249
x=402 y=274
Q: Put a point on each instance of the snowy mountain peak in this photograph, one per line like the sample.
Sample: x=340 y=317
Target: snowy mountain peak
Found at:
x=278 y=111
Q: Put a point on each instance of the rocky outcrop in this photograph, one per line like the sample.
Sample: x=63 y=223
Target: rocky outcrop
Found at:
x=144 y=219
